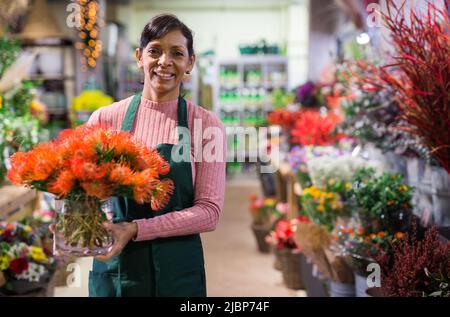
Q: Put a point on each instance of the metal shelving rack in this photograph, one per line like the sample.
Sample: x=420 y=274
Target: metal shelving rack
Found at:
x=254 y=78
x=62 y=83
x=268 y=65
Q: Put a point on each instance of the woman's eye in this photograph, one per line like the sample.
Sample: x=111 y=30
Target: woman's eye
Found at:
x=153 y=51
x=179 y=54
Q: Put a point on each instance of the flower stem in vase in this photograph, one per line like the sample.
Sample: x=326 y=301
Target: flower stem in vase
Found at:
x=79 y=229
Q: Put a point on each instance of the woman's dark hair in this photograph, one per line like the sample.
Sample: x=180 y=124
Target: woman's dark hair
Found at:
x=162 y=24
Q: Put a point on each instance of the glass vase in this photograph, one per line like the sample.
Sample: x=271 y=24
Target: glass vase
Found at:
x=79 y=230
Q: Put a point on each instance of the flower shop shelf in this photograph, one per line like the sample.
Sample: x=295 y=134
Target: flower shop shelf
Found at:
x=17 y=202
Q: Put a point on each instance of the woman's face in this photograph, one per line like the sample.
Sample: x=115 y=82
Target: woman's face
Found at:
x=165 y=61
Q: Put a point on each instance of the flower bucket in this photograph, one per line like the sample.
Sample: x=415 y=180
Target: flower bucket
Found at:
x=315 y=285
x=360 y=285
x=374 y=292
x=341 y=290
x=79 y=230
x=416 y=169
x=20 y=288
x=441 y=210
x=441 y=196
x=277 y=262
x=440 y=181
x=291 y=269
x=397 y=163
x=260 y=232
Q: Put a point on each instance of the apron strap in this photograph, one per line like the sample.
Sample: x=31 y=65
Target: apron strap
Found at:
x=128 y=121
x=182 y=112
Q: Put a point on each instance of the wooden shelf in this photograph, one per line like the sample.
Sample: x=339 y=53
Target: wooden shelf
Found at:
x=51 y=77
x=17 y=202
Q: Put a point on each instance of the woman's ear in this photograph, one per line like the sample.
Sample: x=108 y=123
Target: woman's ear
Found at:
x=191 y=63
x=139 y=58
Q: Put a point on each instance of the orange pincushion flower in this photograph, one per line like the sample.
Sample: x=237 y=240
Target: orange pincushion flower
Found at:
x=123 y=144
x=85 y=170
x=98 y=189
x=97 y=162
x=143 y=185
x=19 y=167
x=63 y=184
x=44 y=161
x=161 y=194
x=121 y=174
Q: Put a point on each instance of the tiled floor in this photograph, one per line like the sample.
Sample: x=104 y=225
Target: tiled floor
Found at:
x=233 y=265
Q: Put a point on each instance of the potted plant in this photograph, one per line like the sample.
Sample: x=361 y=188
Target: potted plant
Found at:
x=316 y=244
x=323 y=206
x=87 y=102
x=288 y=252
x=361 y=249
x=313 y=128
x=416 y=267
x=383 y=202
x=419 y=77
x=264 y=214
x=25 y=266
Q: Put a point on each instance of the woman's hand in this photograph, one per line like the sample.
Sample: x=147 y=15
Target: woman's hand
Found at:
x=122 y=233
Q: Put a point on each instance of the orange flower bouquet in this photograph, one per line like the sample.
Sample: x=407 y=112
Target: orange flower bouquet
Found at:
x=85 y=168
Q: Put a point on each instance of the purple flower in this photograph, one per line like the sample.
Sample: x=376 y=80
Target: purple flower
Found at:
x=305 y=94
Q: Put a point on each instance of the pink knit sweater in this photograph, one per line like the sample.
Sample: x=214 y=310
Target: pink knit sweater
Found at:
x=155 y=123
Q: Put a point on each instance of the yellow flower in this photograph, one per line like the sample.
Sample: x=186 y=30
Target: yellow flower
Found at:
x=1 y=102
x=313 y=191
x=321 y=208
x=38 y=254
x=270 y=202
x=4 y=262
x=403 y=189
x=322 y=199
x=329 y=195
x=27 y=229
x=348 y=186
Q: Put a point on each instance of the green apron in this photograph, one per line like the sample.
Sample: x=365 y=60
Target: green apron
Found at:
x=171 y=266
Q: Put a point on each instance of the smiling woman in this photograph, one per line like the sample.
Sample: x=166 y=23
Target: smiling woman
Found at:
x=165 y=55
x=159 y=253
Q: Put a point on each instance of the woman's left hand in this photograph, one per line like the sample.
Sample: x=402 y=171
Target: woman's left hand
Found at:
x=122 y=233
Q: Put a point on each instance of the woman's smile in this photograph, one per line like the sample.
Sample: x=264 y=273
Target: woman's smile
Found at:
x=163 y=75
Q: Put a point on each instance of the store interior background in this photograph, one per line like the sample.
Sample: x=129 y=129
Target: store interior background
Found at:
x=308 y=36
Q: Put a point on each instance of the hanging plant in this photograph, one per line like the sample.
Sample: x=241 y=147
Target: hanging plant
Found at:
x=90 y=24
x=419 y=75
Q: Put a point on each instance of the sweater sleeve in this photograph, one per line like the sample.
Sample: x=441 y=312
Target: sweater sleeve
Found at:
x=209 y=191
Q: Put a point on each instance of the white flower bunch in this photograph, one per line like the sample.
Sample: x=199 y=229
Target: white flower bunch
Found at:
x=18 y=250
x=33 y=273
x=321 y=169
